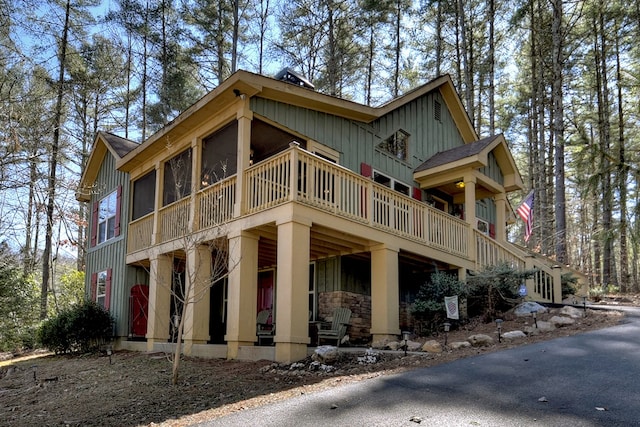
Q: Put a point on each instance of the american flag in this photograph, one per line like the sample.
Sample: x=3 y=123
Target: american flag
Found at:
x=526 y=213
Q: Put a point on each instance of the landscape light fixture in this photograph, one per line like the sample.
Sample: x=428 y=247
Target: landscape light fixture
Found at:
x=447 y=326
x=499 y=324
x=534 y=313
x=405 y=338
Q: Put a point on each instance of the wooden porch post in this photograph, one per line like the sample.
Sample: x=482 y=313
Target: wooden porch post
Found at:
x=557 y=284
x=501 y=217
x=159 y=300
x=243 y=292
x=385 y=294
x=292 y=290
x=196 y=322
x=470 y=213
x=244 y=117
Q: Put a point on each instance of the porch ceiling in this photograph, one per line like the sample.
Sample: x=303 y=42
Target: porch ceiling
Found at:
x=325 y=242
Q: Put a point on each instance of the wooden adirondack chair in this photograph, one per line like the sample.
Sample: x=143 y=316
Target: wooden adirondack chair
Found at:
x=337 y=328
x=264 y=329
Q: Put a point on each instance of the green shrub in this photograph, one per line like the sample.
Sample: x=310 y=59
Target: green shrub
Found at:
x=494 y=290
x=84 y=327
x=569 y=284
x=428 y=307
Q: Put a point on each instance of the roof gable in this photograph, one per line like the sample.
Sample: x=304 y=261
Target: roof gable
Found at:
x=104 y=143
x=243 y=85
x=473 y=156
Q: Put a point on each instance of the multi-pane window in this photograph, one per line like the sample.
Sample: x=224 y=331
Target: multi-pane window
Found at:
x=396 y=144
x=107 y=217
x=101 y=289
x=391 y=183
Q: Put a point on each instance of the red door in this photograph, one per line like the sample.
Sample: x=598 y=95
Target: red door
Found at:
x=139 y=306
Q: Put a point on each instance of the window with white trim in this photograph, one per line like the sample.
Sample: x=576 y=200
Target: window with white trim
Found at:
x=392 y=183
x=482 y=226
x=101 y=289
x=107 y=217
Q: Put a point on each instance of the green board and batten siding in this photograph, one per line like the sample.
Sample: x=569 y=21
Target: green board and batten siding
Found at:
x=112 y=253
x=357 y=141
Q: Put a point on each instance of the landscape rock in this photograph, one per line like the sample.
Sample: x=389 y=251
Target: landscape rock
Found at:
x=459 y=344
x=572 y=299
x=572 y=312
x=526 y=308
x=413 y=345
x=432 y=346
x=480 y=340
x=325 y=354
x=560 y=321
x=384 y=343
x=392 y=345
x=543 y=326
x=512 y=335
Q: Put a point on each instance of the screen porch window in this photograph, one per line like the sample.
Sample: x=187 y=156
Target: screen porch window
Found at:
x=107 y=217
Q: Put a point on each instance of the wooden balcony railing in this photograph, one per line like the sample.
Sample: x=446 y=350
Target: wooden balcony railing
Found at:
x=139 y=234
x=174 y=220
x=297 y=175
x=215 y=204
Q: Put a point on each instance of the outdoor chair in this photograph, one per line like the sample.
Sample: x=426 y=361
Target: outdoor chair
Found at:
x=337 y=328
x=264 y=329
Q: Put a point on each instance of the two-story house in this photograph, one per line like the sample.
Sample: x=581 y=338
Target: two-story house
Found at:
x=318 y=201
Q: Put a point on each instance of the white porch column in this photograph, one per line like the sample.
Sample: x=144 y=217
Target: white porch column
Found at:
x=244 y=117
x=501 y=217
x=159 y=300
x=470 y=212
x=243 y=292
x=385 y=293
x=196 y=322
x=292 y=291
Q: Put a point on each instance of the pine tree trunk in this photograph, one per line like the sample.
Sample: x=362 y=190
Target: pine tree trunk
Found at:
x=53 y=165
x=558 y=132
x=622 y=177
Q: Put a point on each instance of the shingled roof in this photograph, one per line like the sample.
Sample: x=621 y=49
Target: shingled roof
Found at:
x=457 y=153
x=120 y=145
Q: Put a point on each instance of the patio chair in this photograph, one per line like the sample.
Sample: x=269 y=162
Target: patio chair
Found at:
x=337 y=328
x=264 y=329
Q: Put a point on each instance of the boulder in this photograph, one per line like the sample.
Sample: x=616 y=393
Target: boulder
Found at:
x=542 y=327
x=432 y=346
x=459 y=344
x=384 y=343
x=572 y=312
x=412 y=345
x=526 y=308
x=560 y=321
x=480 y=340
x=512 y=335
x=392 y=345
x=325 y=354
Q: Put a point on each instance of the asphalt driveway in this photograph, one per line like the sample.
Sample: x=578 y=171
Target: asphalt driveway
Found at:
x=592 y=379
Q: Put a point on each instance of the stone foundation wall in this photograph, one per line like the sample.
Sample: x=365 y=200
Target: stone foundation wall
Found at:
x=360 y=305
